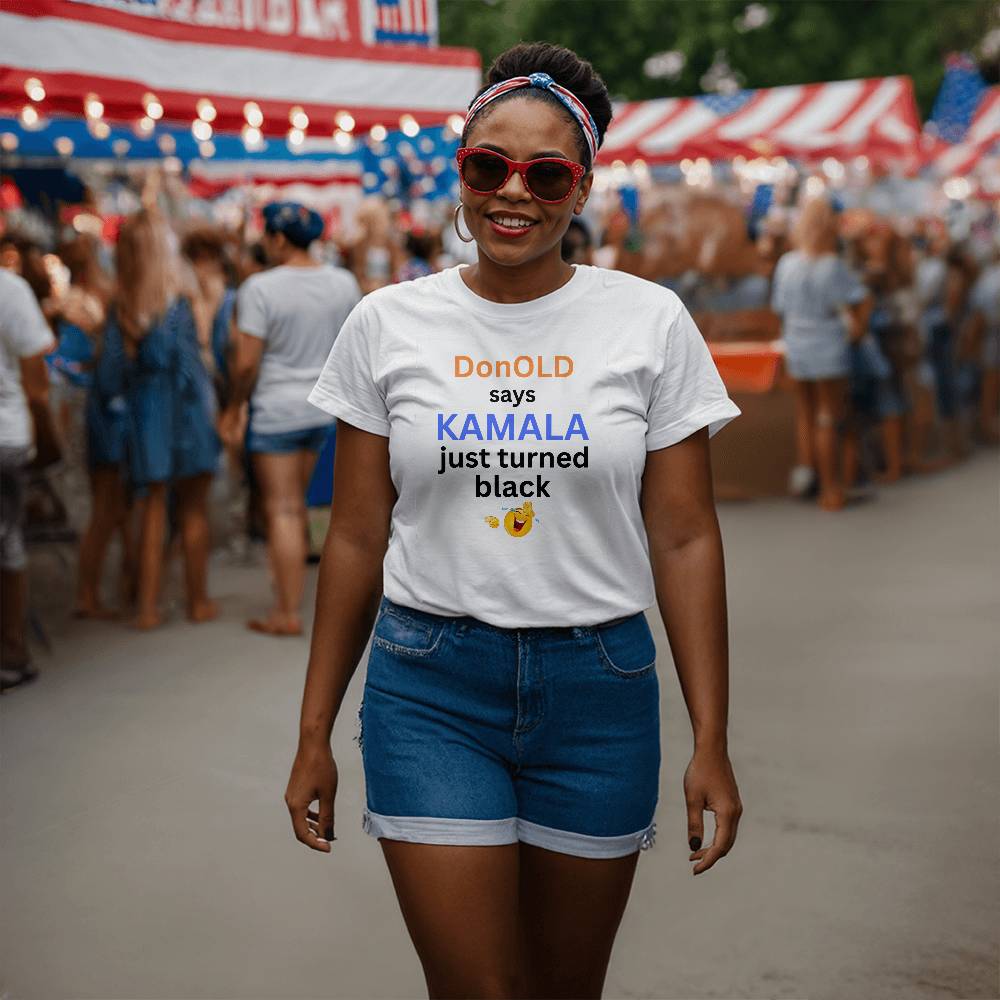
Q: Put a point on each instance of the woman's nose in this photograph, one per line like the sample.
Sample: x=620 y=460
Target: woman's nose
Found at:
x=515 y=189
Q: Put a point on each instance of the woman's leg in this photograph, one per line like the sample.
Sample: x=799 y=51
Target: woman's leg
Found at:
x=831 y=397
x=570 y=911
x=192 y=498
x=805 y=409
x=107 y=510
x=152 y=531
x=280 y=478
x=460 y=906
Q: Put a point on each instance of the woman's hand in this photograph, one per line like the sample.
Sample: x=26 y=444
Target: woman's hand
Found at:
x=709 y=784
x=232 y=426
x=314 y=777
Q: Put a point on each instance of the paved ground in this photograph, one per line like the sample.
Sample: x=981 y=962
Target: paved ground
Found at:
x=147 y=851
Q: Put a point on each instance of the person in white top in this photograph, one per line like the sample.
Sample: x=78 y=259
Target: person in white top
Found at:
x=287 y=320
x=522 y=469
x=25 y=339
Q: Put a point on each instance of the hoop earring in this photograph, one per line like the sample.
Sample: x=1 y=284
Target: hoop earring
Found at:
x=458 y=208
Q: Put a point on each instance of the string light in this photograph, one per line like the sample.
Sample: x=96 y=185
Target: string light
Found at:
x=64 y=145
x=201 y=130
x=296 y=137
x=99 y=129
x=206 y=110
x=298 y=118
x=378 y=133
x=8 y=142
x=92 y=106
x=29 y=116
x=253 y=114
x=34 y=89
x=206 y=149
x=252 y=137
x=344 y=140
x=154 y=109
x=345 y=121
x=456 y=123
x=409 y=125
x=145 y=126
x=120 y=147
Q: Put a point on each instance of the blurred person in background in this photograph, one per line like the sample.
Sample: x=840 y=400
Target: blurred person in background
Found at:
x=213 y=298
x=421 y=247
x=577 y=246
x=25 y=339
x=81 y=314
x=287 y=318
x=822 y=305
x=374 y=255
x=153 y=357
x=982 y=345
x=940 y=285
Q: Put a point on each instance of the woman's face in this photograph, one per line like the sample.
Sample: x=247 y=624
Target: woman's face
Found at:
x=523 y=129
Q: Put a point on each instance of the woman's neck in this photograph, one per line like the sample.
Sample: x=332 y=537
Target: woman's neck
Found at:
x=520 y=283
x=300 y=258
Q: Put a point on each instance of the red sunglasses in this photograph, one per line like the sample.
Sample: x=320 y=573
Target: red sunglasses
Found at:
x=550 y=179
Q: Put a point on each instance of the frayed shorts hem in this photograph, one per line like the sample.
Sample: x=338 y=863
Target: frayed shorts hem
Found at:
x=493 y=832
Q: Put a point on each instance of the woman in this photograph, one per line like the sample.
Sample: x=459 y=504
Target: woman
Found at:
x=152 y=357
x=820 y=302
x=81 y=315
x=287 y=319
x=548 y=431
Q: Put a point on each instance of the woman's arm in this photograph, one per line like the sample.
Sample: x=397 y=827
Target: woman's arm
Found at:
x=685 y=548
x=347 y=600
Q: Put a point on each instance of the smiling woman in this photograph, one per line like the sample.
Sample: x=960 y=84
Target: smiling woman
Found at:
x=522 y=468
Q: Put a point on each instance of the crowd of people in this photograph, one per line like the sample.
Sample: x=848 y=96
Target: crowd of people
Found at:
x=191 y=357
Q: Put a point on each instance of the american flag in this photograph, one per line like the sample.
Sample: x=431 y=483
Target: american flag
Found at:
x=401 y=22
x=873 y=117
x=965 y=121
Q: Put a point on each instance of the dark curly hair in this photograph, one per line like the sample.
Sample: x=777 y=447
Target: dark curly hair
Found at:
x=566 y=68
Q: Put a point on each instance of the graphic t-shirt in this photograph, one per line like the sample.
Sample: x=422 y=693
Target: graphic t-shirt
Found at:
x=518 y=436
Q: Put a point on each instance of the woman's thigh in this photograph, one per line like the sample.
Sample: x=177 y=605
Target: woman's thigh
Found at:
x=460 y=907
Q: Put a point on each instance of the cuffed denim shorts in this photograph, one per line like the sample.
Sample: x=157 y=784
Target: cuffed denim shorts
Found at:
x=286 y=442
x=474 y=734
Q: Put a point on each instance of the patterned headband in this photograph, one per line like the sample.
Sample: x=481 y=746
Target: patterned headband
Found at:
x=544 y=82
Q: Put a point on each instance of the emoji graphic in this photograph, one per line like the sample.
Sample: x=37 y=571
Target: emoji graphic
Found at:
x=518 y=521
x=492 y=521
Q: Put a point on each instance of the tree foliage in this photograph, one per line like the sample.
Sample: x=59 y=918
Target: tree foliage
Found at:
x=805 y=41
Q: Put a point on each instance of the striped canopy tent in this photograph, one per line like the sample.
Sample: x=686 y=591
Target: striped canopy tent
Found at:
x=876 y=118
x=274 y=65
x=982 y=136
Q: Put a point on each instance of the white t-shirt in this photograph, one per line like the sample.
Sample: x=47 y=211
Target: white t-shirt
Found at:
x=539 y=525
x=297 y=312
x=23 y=333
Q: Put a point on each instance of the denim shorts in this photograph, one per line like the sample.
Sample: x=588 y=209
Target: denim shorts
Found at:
x=286 y=442
x=480 y=735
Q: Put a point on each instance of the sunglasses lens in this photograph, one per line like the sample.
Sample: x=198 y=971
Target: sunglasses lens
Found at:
x=550 y=181
x=483 y=171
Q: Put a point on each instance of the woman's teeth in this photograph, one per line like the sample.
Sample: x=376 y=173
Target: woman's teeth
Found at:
x=511 y=223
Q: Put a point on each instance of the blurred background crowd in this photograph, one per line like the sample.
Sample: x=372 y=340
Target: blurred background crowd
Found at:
x=168 y=292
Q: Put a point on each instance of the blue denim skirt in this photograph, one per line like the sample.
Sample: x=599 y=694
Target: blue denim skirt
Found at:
x=479 y=735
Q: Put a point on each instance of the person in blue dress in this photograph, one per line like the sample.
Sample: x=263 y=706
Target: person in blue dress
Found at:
x=80 y=314
x=153 y=357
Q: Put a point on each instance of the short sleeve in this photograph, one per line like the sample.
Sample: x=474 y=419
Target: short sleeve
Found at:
x=346 y=387
x=688 y=393
x=24 y=328
x=251 y=313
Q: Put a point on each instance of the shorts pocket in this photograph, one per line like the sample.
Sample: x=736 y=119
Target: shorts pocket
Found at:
x=627 y=648
x=397 y=632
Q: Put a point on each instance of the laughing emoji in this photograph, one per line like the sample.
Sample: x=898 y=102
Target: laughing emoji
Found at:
x=518 y=521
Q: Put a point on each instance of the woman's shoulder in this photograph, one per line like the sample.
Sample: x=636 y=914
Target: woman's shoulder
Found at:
x=631 y=291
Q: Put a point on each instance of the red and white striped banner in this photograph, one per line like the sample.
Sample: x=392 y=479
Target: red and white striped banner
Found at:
x=960 y=158
x=874 y=117
x=307 y=54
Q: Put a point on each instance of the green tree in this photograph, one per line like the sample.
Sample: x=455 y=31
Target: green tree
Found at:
x=804 y=41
